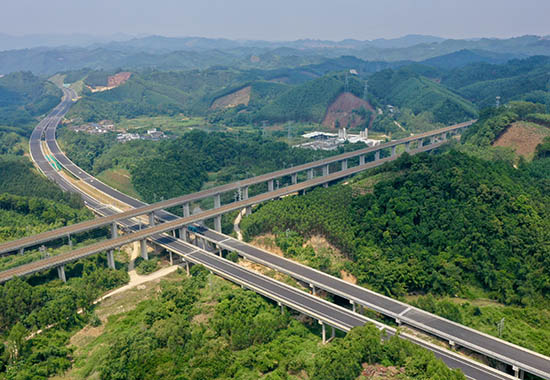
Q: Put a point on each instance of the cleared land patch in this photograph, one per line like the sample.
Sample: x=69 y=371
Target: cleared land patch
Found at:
x=523 y=137
x=341 y=112
x=234 y=99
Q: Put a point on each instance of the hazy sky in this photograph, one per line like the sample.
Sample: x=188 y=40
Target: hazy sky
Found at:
x=278 y=19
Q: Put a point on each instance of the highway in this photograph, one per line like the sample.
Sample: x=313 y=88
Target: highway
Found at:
x=226 y=269
x=48 y=126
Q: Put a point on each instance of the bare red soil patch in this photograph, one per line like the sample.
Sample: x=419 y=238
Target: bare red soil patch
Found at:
x=341 y=111
x=118 y=79
x=523 y=137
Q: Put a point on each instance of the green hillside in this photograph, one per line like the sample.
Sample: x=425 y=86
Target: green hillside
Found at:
x=23 y=97
x=407 y=89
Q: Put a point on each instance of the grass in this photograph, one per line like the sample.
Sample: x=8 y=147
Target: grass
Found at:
x=178 y=124
x=120 y=179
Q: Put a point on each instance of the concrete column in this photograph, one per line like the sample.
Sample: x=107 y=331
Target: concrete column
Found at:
x=114 y=230
x=143 y=248
x=70 y=241
x=282 y=307
x=326 y=170
x=248 y=210
x=444 y=136
x=187 y=268
x=362 y=159
x=111 y=259
x=151 y=219
x=310 y=174
x=217 y=201
x=393 y=150
x=353 y=306
x=313 y=290
x=183 y=234
x=186 y=210
x=21 y=250
x=432 y=140
x=376 y=155
x=171 y=258
x=420 y=143
x=270 y=185
x=244 y=192
x=61 y=273
x=333 y=334
x=220 y=252
x=324 y=332
x=294 y=178
x=218 y=223
x=344 y=164
x=408 y=146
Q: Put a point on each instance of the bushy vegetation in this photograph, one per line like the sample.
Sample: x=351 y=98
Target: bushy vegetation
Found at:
x=443 y=224
x=204 y=328
x=23 y=97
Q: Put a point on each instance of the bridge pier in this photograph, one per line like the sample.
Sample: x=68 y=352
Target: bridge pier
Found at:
x=323 y=332
x=151 y=219
x=310 y=174
x=186 y=210
x=352 y=306
x=143 y=248
x=407 y=147
x=344 y=164
x=518 y=373
x=21 y=250
x=270 y=185
x=70 y=241
x=376 y=155
x=114 y=230
x=245 y=196
x=218 y=223
x=61 y=273
x=326 y=170
x=282 y=307
x=111 y=259
x=171 y=258
x=444 y=136
x=420 y=143
x=294 y=178
x=393 y=150
x=313 y=290
x=362 y=159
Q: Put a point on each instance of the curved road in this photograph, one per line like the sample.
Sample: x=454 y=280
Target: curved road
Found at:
x=265 y=286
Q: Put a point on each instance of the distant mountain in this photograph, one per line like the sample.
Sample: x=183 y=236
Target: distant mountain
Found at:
x=9 y=42
x=404 y=42
x=465 y=57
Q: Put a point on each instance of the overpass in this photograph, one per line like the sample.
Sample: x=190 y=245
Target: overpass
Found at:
x=175 y=224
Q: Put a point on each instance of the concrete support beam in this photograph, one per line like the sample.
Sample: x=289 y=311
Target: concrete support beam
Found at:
x=21 y=250
x=70 y=241
x=362 y=159
x=244 y=192
x=61 y=273
x=248 y=210
x=407 y=146
x=376 y=155
x=111 y=259
x=282 y=307
x=326 y=170
x=187 y=268
x=218 y=223
x=151 y=219
x=420 y=143
x=143 y=249
x=294 y=178
x=171 y=258
x=183 y=234
x=324 y=332
x=353 y=306
x=432 y=140
x=444 y=136
x=393 y=150
x=325 y=185
x=217 y=201
x=333 y=334
x=270 y=185
x=344 y=164
x=186 y=210
x=219 y=252
x=114 y=230
x=310 y=174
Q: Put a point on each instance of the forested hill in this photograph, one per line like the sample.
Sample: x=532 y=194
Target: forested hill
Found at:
x=24 y=96
x=444 y=224
x=302 y=95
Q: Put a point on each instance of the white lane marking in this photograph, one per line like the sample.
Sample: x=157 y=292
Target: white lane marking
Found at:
x=404 y=311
